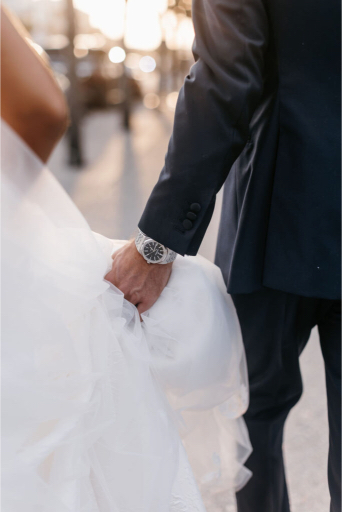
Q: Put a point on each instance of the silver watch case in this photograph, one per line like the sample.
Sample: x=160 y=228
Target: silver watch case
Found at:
x=161 y=246
x=142 y=240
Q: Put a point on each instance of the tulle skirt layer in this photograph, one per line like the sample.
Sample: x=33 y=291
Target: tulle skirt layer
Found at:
x=95 y=402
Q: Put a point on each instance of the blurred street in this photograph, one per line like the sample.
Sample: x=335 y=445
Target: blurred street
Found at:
x=111 y=190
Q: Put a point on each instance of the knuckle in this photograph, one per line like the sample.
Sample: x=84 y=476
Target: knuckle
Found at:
x=135 y=298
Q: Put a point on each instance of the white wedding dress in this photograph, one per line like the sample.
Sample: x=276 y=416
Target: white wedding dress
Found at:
x=100 y=412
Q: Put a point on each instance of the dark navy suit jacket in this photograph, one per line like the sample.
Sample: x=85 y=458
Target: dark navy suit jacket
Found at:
x=260 y=110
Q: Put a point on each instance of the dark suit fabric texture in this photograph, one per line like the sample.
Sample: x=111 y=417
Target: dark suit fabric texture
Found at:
x=261 y=105
x=275 y=327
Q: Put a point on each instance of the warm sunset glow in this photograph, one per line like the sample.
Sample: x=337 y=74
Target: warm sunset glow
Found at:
x=139 y=22
x=143 y=31
x=178 y=31
x=143 y=24
x=106 y=15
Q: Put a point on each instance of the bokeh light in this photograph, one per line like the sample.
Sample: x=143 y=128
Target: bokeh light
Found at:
x=132 y=60
x=147 y=64
x=171 y=100
x=106 y=15
x=178 y=31
x=116 y=54
x=89 y=41
x=80 y=52
x=143 y=30
x=151 y=100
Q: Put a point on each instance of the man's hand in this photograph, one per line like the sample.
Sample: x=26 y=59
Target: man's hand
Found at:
x=140 y=282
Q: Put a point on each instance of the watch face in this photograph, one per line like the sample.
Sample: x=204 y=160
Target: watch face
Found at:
x=153 y=251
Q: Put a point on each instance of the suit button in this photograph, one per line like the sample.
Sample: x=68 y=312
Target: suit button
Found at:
x=195 y=207
x=187 y=224
x=191 y=216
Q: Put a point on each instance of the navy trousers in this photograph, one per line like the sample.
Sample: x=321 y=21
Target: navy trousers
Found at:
x=276 y=327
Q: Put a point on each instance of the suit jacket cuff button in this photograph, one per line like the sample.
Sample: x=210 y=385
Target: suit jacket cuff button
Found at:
x=187 y=224
x=195 y=207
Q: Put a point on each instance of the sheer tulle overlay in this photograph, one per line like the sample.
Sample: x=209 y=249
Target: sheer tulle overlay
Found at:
x=94 y=402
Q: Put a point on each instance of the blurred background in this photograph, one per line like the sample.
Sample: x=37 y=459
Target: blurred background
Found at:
x=121 y=64
x=112 y=55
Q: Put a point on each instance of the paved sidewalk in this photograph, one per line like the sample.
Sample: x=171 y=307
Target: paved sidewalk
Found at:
x=111 y=192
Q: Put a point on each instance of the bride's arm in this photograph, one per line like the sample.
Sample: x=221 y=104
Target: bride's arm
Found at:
x=31 y=100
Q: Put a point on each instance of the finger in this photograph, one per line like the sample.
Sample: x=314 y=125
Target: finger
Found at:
x=141 y=309
x=144 y=306
x=132 y=297
x=137 y=306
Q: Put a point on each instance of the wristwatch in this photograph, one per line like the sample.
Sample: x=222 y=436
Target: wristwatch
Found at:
x=153 y=251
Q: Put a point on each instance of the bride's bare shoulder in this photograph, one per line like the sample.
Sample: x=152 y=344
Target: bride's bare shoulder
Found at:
x=31 y=100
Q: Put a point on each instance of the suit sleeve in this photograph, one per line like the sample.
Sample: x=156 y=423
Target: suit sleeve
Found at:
x=213 y=113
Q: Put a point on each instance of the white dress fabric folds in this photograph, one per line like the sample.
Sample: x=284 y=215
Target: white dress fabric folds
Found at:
x=102 y=412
